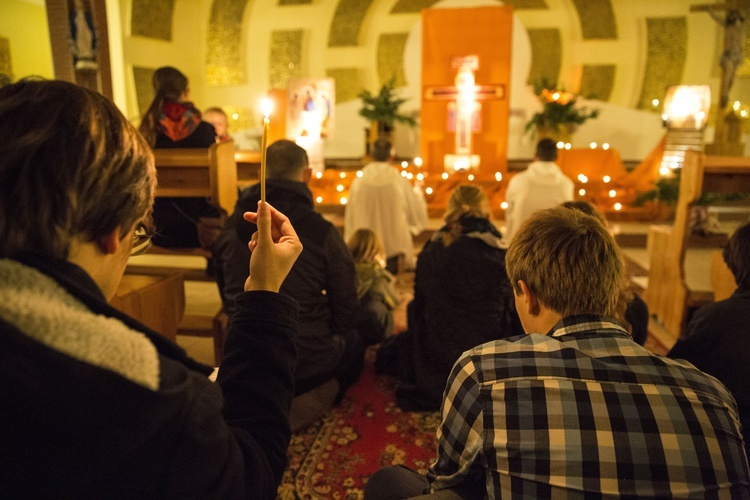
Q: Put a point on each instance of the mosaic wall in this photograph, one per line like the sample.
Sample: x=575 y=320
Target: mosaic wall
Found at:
x=286 y=58
x=152 y=18
x=224 y=52
x=546 y=55
x=6 y=68
x=144 y=88
x=294 y=2
x=391 y=58
x=348 y=83
x=597 y=81
x=414 y=6
x=347 y=21
x=597 y=19
x=667 y=52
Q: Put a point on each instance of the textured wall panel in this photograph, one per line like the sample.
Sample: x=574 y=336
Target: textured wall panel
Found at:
x=294 y=2
x=597 y=81
x=286 y=57
x=597 y=19
x=667 y=51
x=224 y=54
x=391 y=58
x=144 y=89
x=152 y=18
x=414 y=6
x=346 y=23
x=6 y=68
x=546 y=55
x=348 y=83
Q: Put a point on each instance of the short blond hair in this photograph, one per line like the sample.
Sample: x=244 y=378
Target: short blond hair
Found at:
x=569 y=260
x=365 y=246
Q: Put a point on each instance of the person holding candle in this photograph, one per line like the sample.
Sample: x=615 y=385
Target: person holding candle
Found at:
x=322 y=280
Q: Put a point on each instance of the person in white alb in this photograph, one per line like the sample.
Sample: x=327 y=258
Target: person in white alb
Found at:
x=385 y=202
x=542 y=185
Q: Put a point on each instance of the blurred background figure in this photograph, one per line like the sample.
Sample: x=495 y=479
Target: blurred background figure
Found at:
x=219 y=119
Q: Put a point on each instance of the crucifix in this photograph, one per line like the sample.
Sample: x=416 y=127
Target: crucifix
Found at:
x=464 y=117
x=734 y=40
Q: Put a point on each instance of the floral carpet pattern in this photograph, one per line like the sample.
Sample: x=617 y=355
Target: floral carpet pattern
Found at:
x=335 y=457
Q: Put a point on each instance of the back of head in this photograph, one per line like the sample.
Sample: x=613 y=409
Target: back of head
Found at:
x=169 y=83
x=737 y=255
x=286 y=160
x=72 y=165
x=546 y=150
x=381 y=150
x=583 y=206
x=365 y=246
x=569 y=260
x=467 y=201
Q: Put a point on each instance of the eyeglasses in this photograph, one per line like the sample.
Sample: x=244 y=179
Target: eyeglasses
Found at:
x=141 y=239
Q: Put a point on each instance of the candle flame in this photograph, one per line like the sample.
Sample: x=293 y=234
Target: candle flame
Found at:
x=266 y=106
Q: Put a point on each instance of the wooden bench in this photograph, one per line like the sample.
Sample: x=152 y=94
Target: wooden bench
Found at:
x=156 y=299
x=206 y=172
x=669 y=296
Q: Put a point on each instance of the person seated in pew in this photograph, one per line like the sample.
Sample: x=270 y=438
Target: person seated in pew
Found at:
x=717 y=340
x=462 y=298
x=631 y=310
x=322 y=280
x=173 y=122
x=575 y=408
x=219 y=119
x=94 y=404
x=376 y=289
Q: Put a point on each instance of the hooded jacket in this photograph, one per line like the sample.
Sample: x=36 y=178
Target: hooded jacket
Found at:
x=542 y=185
x=96 y=405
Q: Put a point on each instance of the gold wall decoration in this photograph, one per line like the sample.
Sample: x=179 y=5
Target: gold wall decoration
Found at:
x=286 y=58
x=224 y=53
x=6 y=68
x=348 y=83
x=665 y=63
x=597 y=81
x=391 y=57
x=546 y=55
x=597 y=19
x=347 y=21
x=415 y=6
x=152 y=18
x=144 y=88
x=239 y=118
x=294 y=2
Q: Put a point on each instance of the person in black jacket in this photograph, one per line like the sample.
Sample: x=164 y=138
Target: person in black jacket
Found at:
x=462 y=298
x=173 y=122
x=322 y=280
x=717 y=340
x=95 y=404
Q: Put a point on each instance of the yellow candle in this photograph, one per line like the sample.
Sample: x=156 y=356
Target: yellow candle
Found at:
x=265 y=107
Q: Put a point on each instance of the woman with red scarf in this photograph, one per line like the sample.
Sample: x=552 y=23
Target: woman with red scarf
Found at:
x=171 y=121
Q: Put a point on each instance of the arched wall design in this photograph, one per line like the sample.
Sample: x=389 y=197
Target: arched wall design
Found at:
x=225 y=61
x=597 y=19
x=546 y=59
x=391 y=57
x=152 y=18
x=597 y=81
x=347 y=22
x=286 y=57
x=667 y=52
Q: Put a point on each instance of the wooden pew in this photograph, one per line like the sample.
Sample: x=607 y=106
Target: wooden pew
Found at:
x=209 y=172
x=669 y=297
x=248 y=167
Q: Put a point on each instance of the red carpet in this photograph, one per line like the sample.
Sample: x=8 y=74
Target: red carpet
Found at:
x=334 y=457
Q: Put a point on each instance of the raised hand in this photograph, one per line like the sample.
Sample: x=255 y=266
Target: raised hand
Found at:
x=274 y=248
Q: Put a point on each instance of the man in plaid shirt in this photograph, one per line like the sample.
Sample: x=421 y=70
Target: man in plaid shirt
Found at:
x=576 y=408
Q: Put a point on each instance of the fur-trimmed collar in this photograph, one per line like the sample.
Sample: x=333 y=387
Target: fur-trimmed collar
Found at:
x=38 y=306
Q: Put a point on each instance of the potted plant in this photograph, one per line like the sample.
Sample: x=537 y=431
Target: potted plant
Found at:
x=381 y=110
x=559 y=117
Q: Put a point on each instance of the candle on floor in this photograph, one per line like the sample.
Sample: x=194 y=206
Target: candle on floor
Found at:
x=265 y=107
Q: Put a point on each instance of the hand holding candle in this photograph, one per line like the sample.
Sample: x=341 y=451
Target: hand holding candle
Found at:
x=265 y=107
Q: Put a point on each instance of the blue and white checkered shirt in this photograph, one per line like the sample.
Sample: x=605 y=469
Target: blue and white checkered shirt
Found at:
x=585 y=411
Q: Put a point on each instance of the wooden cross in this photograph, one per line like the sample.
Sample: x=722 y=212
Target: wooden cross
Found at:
x=464 y=110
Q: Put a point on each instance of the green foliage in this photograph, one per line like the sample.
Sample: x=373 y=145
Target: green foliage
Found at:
x=383 y=107
x=667 y=190
x=559 y=112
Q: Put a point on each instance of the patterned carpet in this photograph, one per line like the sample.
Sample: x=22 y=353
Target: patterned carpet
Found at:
x=334 y=457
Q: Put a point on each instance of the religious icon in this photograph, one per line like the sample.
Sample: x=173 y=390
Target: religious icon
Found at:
x=310 y=107
x=82 y=38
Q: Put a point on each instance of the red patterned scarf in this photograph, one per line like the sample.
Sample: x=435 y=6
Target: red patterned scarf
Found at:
x=177 y=120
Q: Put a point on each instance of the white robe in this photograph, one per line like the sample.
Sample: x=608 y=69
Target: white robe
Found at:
x=542 y=185
x=385 y=202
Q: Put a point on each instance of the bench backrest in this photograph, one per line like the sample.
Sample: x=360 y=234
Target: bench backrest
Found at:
x=209 y=172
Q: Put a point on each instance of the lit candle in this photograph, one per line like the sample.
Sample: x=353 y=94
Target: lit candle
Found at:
x=265 y=107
